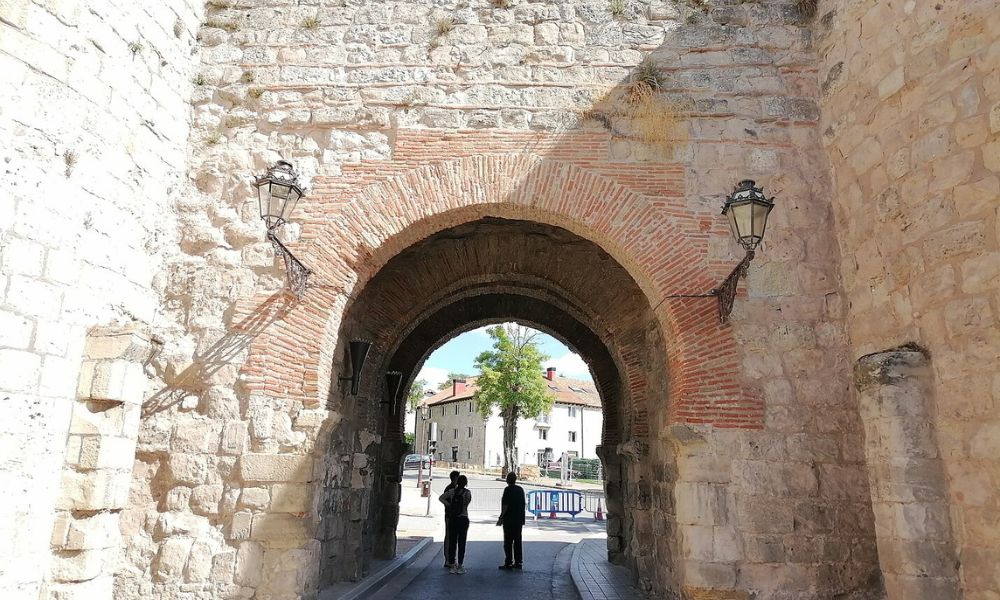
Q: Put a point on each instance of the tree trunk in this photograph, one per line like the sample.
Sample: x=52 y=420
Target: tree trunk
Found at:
x=509 y=439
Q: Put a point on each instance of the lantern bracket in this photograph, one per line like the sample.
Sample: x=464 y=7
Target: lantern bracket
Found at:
x=726 y=292
x=296 y=273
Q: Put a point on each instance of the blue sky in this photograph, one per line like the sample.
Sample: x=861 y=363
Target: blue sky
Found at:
x=459 y=354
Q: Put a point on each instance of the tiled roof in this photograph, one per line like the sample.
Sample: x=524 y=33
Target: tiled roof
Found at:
x=566 y=391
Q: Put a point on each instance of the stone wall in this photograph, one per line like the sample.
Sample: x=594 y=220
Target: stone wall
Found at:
x=738 y=468
x=94 y=116
x=911 y=118
x=440 y=114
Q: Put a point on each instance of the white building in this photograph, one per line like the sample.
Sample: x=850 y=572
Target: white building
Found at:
x=573 y=425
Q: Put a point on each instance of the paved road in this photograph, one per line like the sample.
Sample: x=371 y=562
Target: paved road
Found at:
x=547 y=548
x=546 y=570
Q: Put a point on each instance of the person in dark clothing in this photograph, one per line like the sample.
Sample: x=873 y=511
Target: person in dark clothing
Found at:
x=512 y=520
x=456 y=502
x=454 y=477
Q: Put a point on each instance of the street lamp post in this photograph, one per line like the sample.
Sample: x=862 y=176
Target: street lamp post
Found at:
x=424 y=413
x=747 y=209
x=431 y=446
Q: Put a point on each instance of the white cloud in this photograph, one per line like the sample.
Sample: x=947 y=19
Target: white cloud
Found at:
x=570 y=365
x=434 y=376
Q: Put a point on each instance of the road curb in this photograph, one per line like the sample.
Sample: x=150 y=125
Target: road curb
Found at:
x=371 y=584
x=574 y=569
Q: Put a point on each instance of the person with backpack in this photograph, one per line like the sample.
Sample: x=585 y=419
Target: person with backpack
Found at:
x=456 y=511
x=512 y=520
x=447 y=528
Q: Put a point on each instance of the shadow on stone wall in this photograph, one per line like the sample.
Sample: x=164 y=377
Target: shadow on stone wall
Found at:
x=184 y=388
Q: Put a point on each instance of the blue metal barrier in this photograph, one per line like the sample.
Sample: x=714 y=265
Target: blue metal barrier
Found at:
x=568 y=502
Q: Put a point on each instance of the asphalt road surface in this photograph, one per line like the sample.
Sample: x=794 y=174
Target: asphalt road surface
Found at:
x=545 y=574
x=548 y=545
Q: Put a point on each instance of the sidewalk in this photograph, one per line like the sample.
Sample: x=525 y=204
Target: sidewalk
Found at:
x=596 y=578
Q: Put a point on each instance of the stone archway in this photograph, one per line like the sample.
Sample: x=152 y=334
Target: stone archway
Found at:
x=349 y=233
x=492 y=270
x=352 y=235
x=707 y=495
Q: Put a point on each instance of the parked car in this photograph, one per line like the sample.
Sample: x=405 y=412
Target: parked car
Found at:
x=416 y=461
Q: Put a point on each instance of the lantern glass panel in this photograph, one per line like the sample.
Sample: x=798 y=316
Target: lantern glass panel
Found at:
x=731 y=215
x=742 y=219
x=760 y=212
x=293 y=197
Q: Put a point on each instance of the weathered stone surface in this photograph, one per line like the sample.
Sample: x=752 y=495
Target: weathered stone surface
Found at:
x=276 y=467
x=161 y=232
x=291 y=498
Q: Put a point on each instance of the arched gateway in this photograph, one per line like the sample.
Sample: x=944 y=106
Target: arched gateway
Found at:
x=411 y=252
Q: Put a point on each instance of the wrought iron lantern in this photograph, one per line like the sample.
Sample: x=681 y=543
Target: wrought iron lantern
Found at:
x=358 y=350
x=747 y=209
x=393 y=382
x=277 y=193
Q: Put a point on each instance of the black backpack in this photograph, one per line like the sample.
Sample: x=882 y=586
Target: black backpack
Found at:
x=457 y=504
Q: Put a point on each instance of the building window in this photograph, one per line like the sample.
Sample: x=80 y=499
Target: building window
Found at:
x=442 y=411
x=468 y=454
x=456 y=409
x=470 y=407
x=470 y=432
x=543 y=434
x=572 y=411
x=572 y=436
x=455 y=433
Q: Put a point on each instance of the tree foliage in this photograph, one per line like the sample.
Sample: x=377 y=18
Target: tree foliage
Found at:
x=511 y=381
x=452 y=376
x=416 y=394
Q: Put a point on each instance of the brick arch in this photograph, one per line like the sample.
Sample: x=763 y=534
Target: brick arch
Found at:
x=544 y=265
x=349 y=233
x=356 y=231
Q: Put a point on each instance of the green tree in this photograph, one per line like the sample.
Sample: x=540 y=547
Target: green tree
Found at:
x=416 y=394
x=511 y=381
x=451 y=377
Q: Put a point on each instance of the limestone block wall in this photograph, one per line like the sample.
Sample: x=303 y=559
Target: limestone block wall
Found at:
x=100 y=451
x=230 y=454
x=911 y=123
x=94 y=117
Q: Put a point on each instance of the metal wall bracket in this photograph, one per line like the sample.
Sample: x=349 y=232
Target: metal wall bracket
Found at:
x=726 y=292
x=296 y=273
